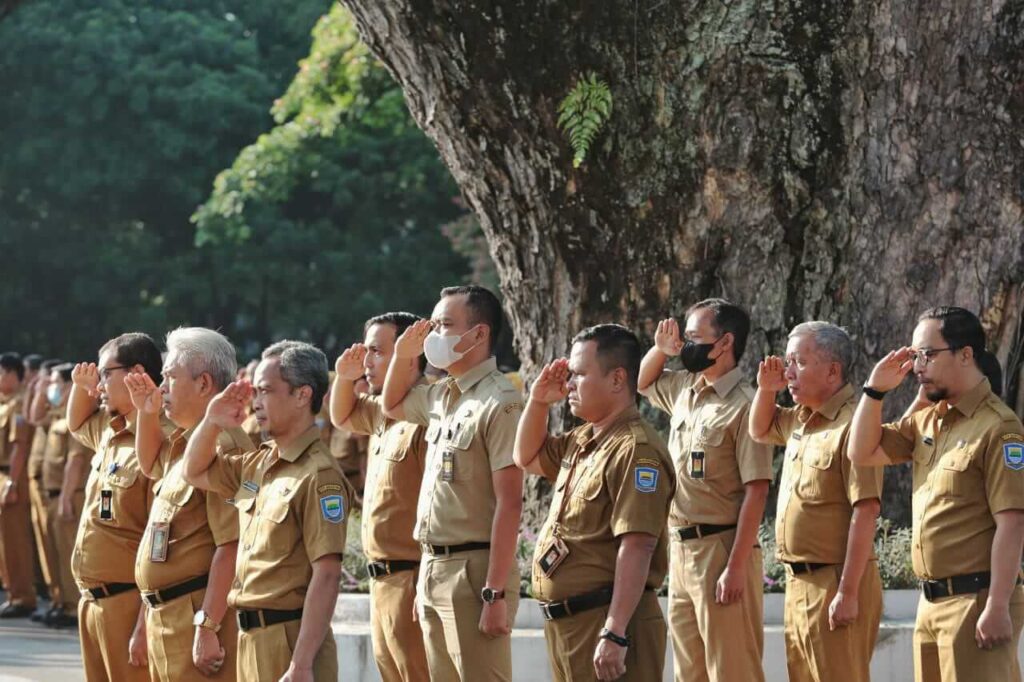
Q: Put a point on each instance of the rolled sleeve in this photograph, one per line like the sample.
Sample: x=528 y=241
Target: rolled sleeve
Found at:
x=321 y=535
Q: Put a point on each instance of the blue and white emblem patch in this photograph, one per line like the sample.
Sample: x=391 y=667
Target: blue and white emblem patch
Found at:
x=333 y=508
x=646 y=479
x=1013 y=455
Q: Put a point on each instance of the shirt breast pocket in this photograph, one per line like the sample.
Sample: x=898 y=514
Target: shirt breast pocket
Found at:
x=459 y=443
x=583 y=511
x=119 y=483
x=952 y=474
x=815 y=472
x=709 y=453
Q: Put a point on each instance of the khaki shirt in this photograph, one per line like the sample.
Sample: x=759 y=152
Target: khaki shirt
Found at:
x=618 y=482
x=60 y=447
x=38 y=450
x=198 y=522
x=471 y=431
x=10 y=419
x=819 y=484
x=105 y=548
x=293 y=506
x=394 y=473
x=709 y=420
x=968 y=466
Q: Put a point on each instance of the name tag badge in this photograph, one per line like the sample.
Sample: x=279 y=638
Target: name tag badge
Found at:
x=159 y=533
x=553 y=556
x=448 y=466
x=697 y=464
x=106 y=505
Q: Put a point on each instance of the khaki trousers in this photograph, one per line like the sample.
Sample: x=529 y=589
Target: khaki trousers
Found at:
x=63 y=531
x=170 y=635
x=714 y=642
x=105 y=626
x=944 y=646
x=450 y=608
x=264 y=654
x=16 y=551
x=397 y=638
x=813 y=652
x=40 y=511
x=571 y=642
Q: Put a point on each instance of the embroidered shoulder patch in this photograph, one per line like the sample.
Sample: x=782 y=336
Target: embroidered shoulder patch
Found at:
x=333 y=508
x=1013 y=455
x=646 y=479
x=644 y=461
x=328 y=488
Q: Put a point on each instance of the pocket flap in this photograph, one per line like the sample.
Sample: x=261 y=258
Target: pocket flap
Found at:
x=956 y=461
x=123 y=478
x=819 y=457
x=712 y=436
x=462 y=436
x=433 y=432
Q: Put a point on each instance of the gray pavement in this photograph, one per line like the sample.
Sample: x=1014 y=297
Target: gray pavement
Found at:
x=34 y=652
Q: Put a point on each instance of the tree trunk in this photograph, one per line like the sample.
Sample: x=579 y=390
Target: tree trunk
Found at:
x=852 y=162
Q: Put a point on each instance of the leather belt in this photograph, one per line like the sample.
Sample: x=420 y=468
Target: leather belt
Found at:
x=553 y=610
x=446 y=550
x=377 y=569
x=967 y=583
x=261 y=618
x=800 y=567
x=107 y=590
x=700 y=531
x=157 y=597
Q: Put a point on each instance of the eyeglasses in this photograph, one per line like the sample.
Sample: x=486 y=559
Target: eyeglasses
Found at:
x=106 y=371
x=927 y=355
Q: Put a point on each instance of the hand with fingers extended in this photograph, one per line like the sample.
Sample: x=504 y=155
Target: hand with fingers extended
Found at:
x=228 y=408
x=410 y=344
x=551 y=386
x=86 y=376
x=771 y=374
x=891 y=370
x=667 y=337
x=349 y=365
x=145 y=394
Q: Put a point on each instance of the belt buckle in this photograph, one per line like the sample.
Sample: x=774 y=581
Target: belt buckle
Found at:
x=700 y=535
x=545 y=609
x=87 y=595
x=926 y=587
x=387 y=566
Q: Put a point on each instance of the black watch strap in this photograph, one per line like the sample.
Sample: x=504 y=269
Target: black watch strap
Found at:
x=873 y=393
x=613 y=638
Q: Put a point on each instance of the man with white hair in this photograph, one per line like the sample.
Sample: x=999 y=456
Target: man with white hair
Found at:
x=186 y=561
x=825 y=520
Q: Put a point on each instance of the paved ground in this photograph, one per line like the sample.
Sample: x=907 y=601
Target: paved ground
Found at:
x=33 y=652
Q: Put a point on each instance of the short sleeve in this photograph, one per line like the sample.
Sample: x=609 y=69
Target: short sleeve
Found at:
x=783 y=425
x=416 y=404
x=1004 y=469
x=91 y=430
x=753 y=459
x=225 y=473
x=367 y=415
x=640 y=487
x=223 y=519
x=861 y=483
x=898 y=439
x=325 y=509
x=500 y=433
x=77 y=449
x=666 y=389
x=553 y=451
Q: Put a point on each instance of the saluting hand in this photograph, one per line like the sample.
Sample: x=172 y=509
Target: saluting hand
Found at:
x=410 y=344
x=771 y=374
x=349 y=365
x=890 y=370
x=667 y=337
x=552 y=385
x=86 y=376
x=228 y=408
x=146 y=395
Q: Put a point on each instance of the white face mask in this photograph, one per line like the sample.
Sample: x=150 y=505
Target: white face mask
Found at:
x=440 y=350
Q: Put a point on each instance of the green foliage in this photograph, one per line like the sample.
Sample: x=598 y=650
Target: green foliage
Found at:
x=892 y=546
x=583 y=112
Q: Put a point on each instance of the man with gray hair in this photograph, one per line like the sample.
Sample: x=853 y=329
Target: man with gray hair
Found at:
x=825 y=520
x=186 y=561
x=293 y=501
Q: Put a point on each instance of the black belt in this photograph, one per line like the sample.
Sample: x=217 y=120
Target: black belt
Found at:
x=701 y=530
x=52 y=493
x=445 y=550
x=553 y=610
x=376 y=569
x=157 y=597
x=5 y=469
x=108 y=590
x=800 y=567
x=968 y=583
x=261 y=618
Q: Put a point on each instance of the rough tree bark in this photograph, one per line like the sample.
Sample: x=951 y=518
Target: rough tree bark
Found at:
x=853 y=162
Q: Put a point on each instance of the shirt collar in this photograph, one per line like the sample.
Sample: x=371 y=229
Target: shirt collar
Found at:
x=723 y=385
x=830 y=410
x=300 y=444
x=586 y=437
x=120 y=424
x=969 y=404
x=474 y=375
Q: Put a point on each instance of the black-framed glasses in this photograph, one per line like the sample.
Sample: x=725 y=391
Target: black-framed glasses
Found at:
x=927 y=355
x=106 y=371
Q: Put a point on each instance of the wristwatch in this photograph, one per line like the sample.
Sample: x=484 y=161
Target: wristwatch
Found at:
x=613 y=638
x=490 y=595
x=873 y=392
x=202 y=620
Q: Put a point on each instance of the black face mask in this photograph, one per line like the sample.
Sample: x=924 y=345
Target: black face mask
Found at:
x=695 y=356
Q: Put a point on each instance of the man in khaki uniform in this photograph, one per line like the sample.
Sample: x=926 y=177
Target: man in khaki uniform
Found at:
x=394 y=473
x=602 y=553
x=186 y=561
x=968 y=531
x=117 y=500
x=16 y=556
x=40 y=412
x=65 y=467
x=825 y=522
x=293 y=503
x=715 y=583
x=470 y=502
